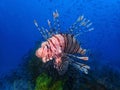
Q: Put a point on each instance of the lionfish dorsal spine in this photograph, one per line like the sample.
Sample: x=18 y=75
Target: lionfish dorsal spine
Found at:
x=81 y=25
x=44 y=32
x=55 y=28
x=50 y=27
x=40 y=29
x=56 y=22
x=74 y=25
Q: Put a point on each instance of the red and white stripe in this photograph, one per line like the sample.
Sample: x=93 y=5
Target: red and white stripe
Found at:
x=57 y=45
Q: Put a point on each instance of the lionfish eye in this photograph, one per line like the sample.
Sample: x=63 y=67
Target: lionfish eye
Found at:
x=48 y=46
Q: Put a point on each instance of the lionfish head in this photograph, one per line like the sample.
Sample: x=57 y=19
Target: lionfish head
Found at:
x=42 y=52
x=39 y=52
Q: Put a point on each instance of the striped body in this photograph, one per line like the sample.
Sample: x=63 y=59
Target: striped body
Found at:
x=57 y=46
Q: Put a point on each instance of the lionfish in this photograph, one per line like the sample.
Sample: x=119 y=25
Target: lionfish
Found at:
x=60 y=47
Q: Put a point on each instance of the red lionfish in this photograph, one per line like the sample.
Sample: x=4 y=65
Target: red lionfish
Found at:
x=60 y=46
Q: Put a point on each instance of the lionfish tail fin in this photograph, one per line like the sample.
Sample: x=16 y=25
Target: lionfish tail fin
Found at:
x=44 y=32
x=81 y=25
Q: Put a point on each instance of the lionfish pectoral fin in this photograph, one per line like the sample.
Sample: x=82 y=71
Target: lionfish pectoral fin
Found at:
x=83 y=51
x=63 y=66
x=82 y=67
x=82 y=58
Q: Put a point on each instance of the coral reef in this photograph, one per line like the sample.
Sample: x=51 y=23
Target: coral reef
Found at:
x=32 y=74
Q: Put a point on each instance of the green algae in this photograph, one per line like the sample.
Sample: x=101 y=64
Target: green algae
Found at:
x=58 y=85
x=45 y=82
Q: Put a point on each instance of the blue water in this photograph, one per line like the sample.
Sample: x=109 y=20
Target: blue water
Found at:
x=18 y=33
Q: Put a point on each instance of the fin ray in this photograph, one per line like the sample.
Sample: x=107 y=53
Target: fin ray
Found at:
x=81 y=25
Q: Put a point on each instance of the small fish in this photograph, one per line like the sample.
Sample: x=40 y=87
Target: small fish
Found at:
x=61 y=46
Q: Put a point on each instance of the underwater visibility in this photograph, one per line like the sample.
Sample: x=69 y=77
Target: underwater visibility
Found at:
x=60 y=45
